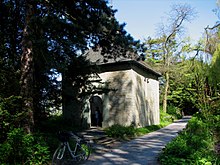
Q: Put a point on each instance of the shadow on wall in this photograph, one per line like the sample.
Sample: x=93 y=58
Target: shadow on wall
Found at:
x=143 y=103
x=118 y=113
x=140 y=102
x=151 y=116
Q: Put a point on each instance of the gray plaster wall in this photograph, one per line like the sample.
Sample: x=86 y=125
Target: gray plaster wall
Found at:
x=133 y=100
x=146 y=95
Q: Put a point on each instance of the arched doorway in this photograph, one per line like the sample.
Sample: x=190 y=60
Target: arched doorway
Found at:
x=96 y=111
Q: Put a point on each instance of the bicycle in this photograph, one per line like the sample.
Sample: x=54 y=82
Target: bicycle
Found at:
x=64 y=155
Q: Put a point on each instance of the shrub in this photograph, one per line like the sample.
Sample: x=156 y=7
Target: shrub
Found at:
x=22 y=148
x=10 y=115
x=178 y=144
x=165 y=118
x=118 y=131
x=16 y=146
x=122 y=132
x=174 y=111
x=195 y=145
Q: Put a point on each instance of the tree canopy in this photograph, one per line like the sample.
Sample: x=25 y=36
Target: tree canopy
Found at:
x=40 y=39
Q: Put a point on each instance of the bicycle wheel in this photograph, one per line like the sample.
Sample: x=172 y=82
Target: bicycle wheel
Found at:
x=58 y=155
x=83 y=151
x=62 y=156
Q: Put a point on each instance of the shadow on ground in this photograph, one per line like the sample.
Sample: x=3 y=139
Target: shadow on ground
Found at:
x=143 y=150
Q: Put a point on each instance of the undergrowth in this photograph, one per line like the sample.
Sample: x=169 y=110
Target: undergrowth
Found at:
x=128 y=132
x=195 y=145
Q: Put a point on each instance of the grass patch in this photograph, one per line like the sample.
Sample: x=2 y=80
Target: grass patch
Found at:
x=148 y=129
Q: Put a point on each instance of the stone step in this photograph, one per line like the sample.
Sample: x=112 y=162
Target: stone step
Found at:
x=99 y=139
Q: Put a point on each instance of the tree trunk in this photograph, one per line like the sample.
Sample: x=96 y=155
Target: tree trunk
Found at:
x=27 y=72
x=70 y=104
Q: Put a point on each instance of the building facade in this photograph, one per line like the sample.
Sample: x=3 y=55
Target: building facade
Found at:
x=132 y=98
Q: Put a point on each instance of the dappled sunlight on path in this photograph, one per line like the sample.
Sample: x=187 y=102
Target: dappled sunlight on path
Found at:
x=143 y=150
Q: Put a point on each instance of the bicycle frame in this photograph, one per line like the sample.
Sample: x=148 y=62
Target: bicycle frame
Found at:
x=78 y=151
x=72 y=152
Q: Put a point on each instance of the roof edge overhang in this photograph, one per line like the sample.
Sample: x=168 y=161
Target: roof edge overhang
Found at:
x=128 y=64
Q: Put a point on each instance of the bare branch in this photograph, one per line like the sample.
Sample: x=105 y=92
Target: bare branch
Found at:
x=211 y=38
x=178 y=15
x=211 y=28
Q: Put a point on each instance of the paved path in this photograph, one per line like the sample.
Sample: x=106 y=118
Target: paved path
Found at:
x=143 y=150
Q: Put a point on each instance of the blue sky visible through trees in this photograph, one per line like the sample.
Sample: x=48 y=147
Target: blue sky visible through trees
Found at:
x=143 y=16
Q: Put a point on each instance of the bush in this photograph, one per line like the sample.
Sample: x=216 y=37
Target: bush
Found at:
x=10 y=115
x=178 y=144
x=22 y=148
x=195 y=145
x=16 y=146
x=122 y=132
x=165 y=118
x=118 y=131
x=174 y=111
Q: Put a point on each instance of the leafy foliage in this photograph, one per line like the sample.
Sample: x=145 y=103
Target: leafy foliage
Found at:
x=16 y=146
x=174 y=112
x=189 y=87
x=195 y=145
x=60 y=32
x=22 y=148
x=196 y=87
x=56 y=34
x=10 y=114
x=118 y=131
x=127 y=132
x=214 y=70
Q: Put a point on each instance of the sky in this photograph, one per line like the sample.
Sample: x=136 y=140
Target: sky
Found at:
x=143 y=16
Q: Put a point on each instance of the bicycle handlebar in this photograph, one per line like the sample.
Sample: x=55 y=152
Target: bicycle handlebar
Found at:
x=64 y=136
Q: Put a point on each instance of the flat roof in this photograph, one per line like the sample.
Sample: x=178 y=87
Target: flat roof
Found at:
x=97 y=59
x=129 y=63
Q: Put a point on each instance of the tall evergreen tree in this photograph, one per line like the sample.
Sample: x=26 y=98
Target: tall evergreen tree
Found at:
x=44 y=38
